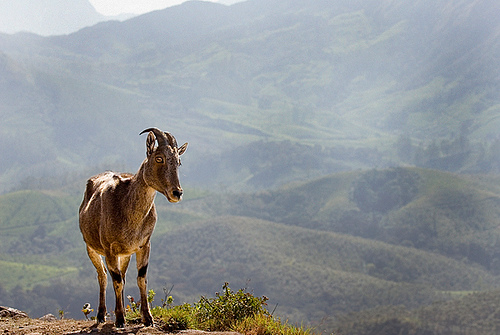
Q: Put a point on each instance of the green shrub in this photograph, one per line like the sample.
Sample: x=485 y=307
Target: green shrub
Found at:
x=228 y=308
x=229 y=311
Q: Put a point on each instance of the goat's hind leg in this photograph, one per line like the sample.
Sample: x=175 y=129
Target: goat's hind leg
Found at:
x=96 y=259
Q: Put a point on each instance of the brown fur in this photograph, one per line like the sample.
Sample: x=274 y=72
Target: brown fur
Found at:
x=118 y=215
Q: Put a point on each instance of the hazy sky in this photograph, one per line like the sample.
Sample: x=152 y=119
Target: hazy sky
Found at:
x=114 y=7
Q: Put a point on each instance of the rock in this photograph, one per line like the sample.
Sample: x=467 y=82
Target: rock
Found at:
x=8 y=312
x=49 y=317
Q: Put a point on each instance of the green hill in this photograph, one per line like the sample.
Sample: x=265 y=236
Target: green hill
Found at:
x=310 y=274
x=37 y=223
x=317 y=249
x=474 y=313
x=453 y=215
x=26 y=276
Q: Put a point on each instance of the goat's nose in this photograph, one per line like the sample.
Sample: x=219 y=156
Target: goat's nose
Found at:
x=177 y=194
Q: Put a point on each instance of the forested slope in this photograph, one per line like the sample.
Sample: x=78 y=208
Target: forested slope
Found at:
x=454 y=215
x=310 y=274
x=317 y=249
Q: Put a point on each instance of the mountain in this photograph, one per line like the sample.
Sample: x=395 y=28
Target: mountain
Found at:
x=49 y=17
x=360 y=83
x=317 y=250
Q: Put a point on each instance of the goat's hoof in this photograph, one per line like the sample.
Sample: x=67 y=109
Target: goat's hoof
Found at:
x=120 y=325
x=148 y=321
x=101 y=315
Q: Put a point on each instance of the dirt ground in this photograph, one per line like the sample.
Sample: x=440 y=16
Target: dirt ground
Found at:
x=26 y=326
x=23 y=325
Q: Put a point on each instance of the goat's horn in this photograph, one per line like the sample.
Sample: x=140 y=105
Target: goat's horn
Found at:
x=160 y=136
x=171 y=139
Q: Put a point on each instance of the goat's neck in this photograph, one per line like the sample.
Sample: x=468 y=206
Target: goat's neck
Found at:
x=141 y=195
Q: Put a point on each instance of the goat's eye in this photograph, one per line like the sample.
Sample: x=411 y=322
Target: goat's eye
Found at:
x=159 y=160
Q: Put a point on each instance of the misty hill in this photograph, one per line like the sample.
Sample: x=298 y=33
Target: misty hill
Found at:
x=313 y=248
x=49 y=17
x=356 y=84
x=310 y=274
x=474 y=313
x=425 y=209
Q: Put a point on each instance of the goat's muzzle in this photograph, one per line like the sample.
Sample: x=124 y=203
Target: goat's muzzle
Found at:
x=177 y=194
x=174 y=196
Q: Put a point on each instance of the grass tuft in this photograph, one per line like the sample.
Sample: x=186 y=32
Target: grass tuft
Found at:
x=262 y=324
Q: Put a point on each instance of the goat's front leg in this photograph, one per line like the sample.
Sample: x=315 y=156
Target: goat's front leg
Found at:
x=103 y=280
x=142 y=257
x=118 y=282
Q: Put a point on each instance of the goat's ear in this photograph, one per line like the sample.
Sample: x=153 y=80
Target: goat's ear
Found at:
x=150 y=143
x=182 y=149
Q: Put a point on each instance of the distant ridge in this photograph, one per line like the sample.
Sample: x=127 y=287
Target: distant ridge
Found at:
x=357 y=84
x=49 y=17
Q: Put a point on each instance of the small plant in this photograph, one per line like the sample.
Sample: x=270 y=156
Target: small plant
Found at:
x=168 y=300
x=132 y=310
x=134 y=306
x=151 y=297
x=228 y=308
x=86 y=310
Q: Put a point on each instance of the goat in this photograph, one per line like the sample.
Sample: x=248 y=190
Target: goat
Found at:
x=118 y=215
